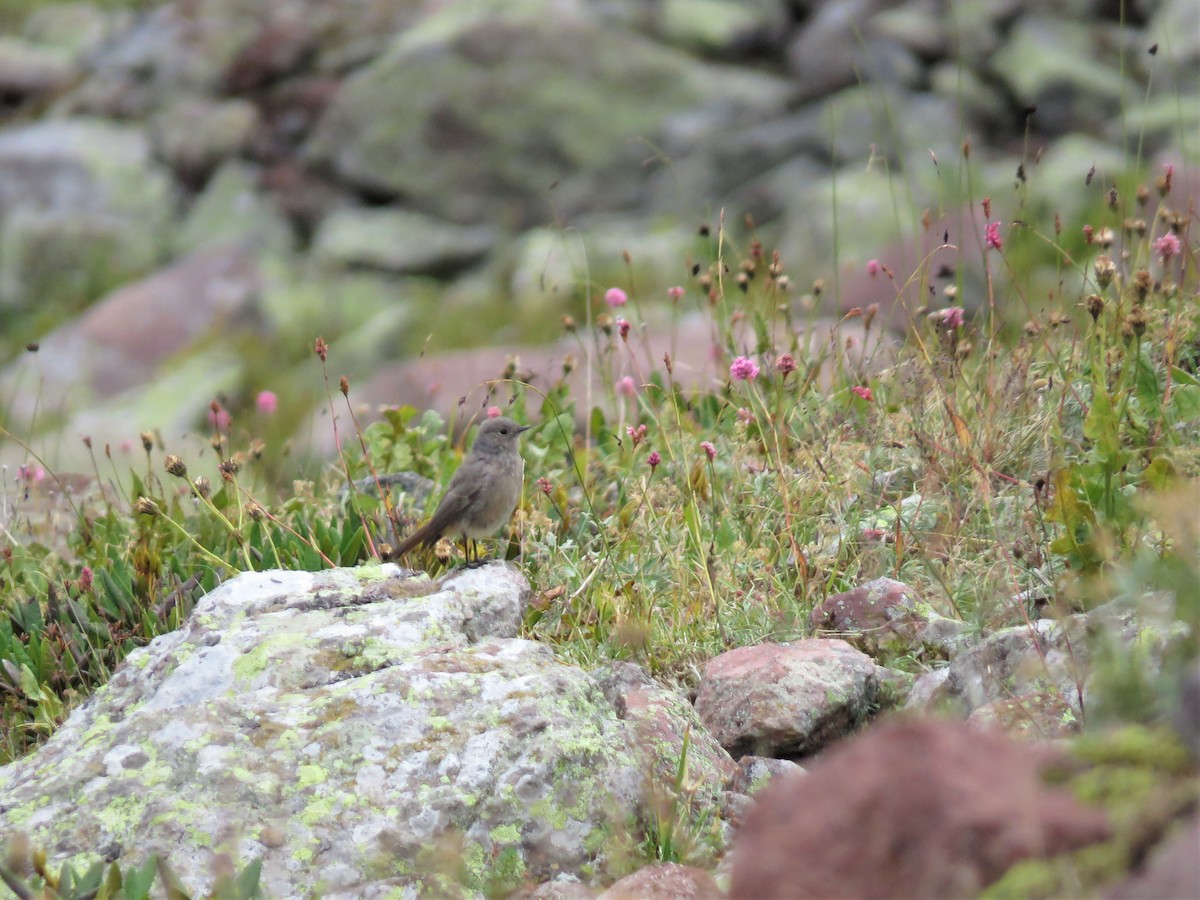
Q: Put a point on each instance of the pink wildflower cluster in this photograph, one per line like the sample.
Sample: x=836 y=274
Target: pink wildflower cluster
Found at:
x=615 y=297
x=743 y=369
x=1167 y=246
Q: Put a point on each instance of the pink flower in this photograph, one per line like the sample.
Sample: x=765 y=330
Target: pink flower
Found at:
x=994 y=240
x=653 y=459
x=675 y=293
x=1167 y=246
x=627 y=386
x=218 y=416
x=85 y=579
x=785 y=364
x=744 y=415
x=615 y=297
x=30 y=474
x=951 y=317
x=709 y=449
x=493 y=412
x=266 y=402
x=872 y=267
x=544 y=485
x=623 y=329
x=873 y=534
x=636 y=434
x=743 y=369
x=864 y=392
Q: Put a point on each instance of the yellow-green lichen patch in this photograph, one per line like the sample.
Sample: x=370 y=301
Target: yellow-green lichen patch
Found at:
x=505 y=834
x=122 y=815
x=317 y=811
x=308 y=775
x=252 y=664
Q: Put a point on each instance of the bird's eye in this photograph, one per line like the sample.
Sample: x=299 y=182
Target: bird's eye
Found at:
x=504 y=431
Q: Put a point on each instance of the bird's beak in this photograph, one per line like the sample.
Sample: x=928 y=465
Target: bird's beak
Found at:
x=523 y=428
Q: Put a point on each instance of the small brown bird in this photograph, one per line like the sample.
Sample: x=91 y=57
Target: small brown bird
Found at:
x=482 y=494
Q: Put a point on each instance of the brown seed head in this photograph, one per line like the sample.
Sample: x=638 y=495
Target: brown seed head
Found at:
x=174 y=466
x=1105 y=270
x=1095 y=306
x=146 y=507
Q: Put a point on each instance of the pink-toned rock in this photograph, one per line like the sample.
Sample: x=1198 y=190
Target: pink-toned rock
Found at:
x=886 y=614
x=456 y=383
x=786 y=699
x=918 y=808
x=126 y=336
x=665 y=881
x=1172 y=871
x=662 y=726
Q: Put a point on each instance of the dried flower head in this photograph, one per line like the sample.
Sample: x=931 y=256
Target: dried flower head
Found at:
x=144 y=506
x=229 y=467
x=1163 y=182
x=147 y=440
x=1095 y=305
x=201 y=486
x=1143 y=283
x=1105 y=270
x=174 y=466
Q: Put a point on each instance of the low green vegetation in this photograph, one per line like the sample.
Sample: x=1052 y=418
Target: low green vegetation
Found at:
x=1032 y=456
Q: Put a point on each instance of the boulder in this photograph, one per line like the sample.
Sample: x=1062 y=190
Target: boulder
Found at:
x=359 y=731
x=786 y=699
x=907 y=809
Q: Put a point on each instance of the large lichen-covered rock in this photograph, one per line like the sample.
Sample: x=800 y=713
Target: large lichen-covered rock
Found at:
x=82 y=208
x=357 y=730
x=505 y=111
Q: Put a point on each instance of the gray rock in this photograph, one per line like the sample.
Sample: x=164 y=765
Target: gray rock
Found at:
x=231 y=209
x=398 y=241
x=728 y=28
x=82 y=208
x=194 y=135
x=28 y=70
x=355 y=729
x=126 y=339
x=1060 y=67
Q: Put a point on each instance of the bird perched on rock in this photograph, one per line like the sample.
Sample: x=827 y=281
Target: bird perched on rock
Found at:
x=482 y=494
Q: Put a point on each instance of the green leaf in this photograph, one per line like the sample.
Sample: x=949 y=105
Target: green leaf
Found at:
x=1185 y=403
